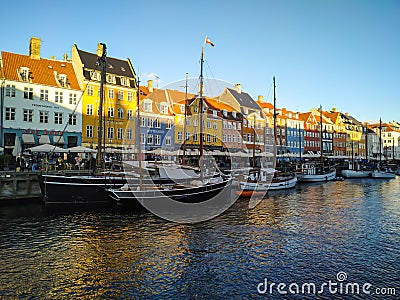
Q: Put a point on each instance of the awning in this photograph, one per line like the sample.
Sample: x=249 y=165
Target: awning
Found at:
x=58 y=140
x=44 y=139
x=28 y=138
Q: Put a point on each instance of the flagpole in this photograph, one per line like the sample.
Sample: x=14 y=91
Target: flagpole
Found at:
x=201 y=107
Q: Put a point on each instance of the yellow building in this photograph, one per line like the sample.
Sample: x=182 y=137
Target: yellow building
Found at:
x=119 y=107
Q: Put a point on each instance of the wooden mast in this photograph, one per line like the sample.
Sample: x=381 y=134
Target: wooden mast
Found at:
x=184 y=121
x=274 y=116
x=102 y=54
x=138 y=124
x=321 y=140
x=201 y=110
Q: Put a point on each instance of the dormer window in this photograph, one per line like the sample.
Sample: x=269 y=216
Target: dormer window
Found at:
x=110 y=78
x=234 y=114
x=62 y=79
x=147 y=106
x=24 y=73
x=95 y=75
x=182 y=106
x=164 y=108
x=225 y=113
x=124 y=81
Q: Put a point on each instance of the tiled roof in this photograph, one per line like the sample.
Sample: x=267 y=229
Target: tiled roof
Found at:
x=42 y=70
x=244 y=99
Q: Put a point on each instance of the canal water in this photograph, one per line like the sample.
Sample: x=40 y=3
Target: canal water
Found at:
x=319 y=241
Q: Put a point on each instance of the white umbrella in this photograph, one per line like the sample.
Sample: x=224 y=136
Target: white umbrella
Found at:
x=17 y=147
x=81 y=149
x=47 y=148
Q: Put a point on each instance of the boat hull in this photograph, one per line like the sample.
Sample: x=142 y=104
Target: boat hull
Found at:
x=195 y=194
x=383 y=175
x=318 y=177
x=356 y=174
x=76 y=189
x=288 y=183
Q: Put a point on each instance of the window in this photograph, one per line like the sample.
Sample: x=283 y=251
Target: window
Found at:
x=149 y=139
x=120 y=95
x=124 y=81
x=120 y=113
x=58 y=118
x=143 y=138
x=157 y=123
x=164 y=108
x=72 y=98
x=111 y=93
x=147 y=106
x=195 y=122
x=208 y=138
x=182 y=106
x=179 y=135
x=130 y=96
x=28 y=93
x=195 y=137
x=110 y=133
x=229 y=125
x=89 y=131
x=110 y=78
x=143 y=122
x=62 y=79
x=215 y=113
x=28 y=115
x=72 y=119
x=59 y=97
x=224 y=124
x=44 y=117
x=208 y=124
x=158 y=139
x=89 y=109
x=129 y=114
x=187 y=122
x=239 y=126
x=187 y=136
x=10 y=90
x=215 y=126
x=95 y=75
x=120 y=133
x=110 y=112
x=10 y=113
x=129 y=134
x=24 y=73
x=214 y=138
x=90 y=90
x=224 y=138
x=169 y=124
x=168 y=140
x=44 y=95
x=195 y=110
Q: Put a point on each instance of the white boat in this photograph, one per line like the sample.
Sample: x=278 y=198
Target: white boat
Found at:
x=312 y=172
x=382 y=174
x=264 y=179
x=355 y=170
x=356 y=173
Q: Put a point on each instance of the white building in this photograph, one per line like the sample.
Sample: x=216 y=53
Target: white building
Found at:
x=40 y=100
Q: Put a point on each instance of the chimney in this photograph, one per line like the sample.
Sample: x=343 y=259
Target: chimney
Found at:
x=34 y=48
x=334 y=109
x=150 y=85
x=238 y=88
x=260 y=98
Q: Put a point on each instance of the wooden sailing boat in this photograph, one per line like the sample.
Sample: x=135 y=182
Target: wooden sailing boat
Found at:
x=198 y=190
x=381 y=173
x=314 y=171
x=265 y=179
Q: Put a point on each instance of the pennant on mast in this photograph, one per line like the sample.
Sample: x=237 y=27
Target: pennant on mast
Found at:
x=208 y=41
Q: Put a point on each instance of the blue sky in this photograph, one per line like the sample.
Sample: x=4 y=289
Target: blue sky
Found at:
x=343 y=54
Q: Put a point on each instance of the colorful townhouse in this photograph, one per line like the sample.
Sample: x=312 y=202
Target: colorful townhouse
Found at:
x=339 y=133
x=390 y=138
x=311 y=133
x=120 y=97
x=327 y=131
x=354 y=145
x=40 y=100
x=294 y=133
x=156 y=120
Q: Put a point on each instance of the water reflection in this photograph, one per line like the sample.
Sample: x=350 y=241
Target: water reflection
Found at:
x=310 y=233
